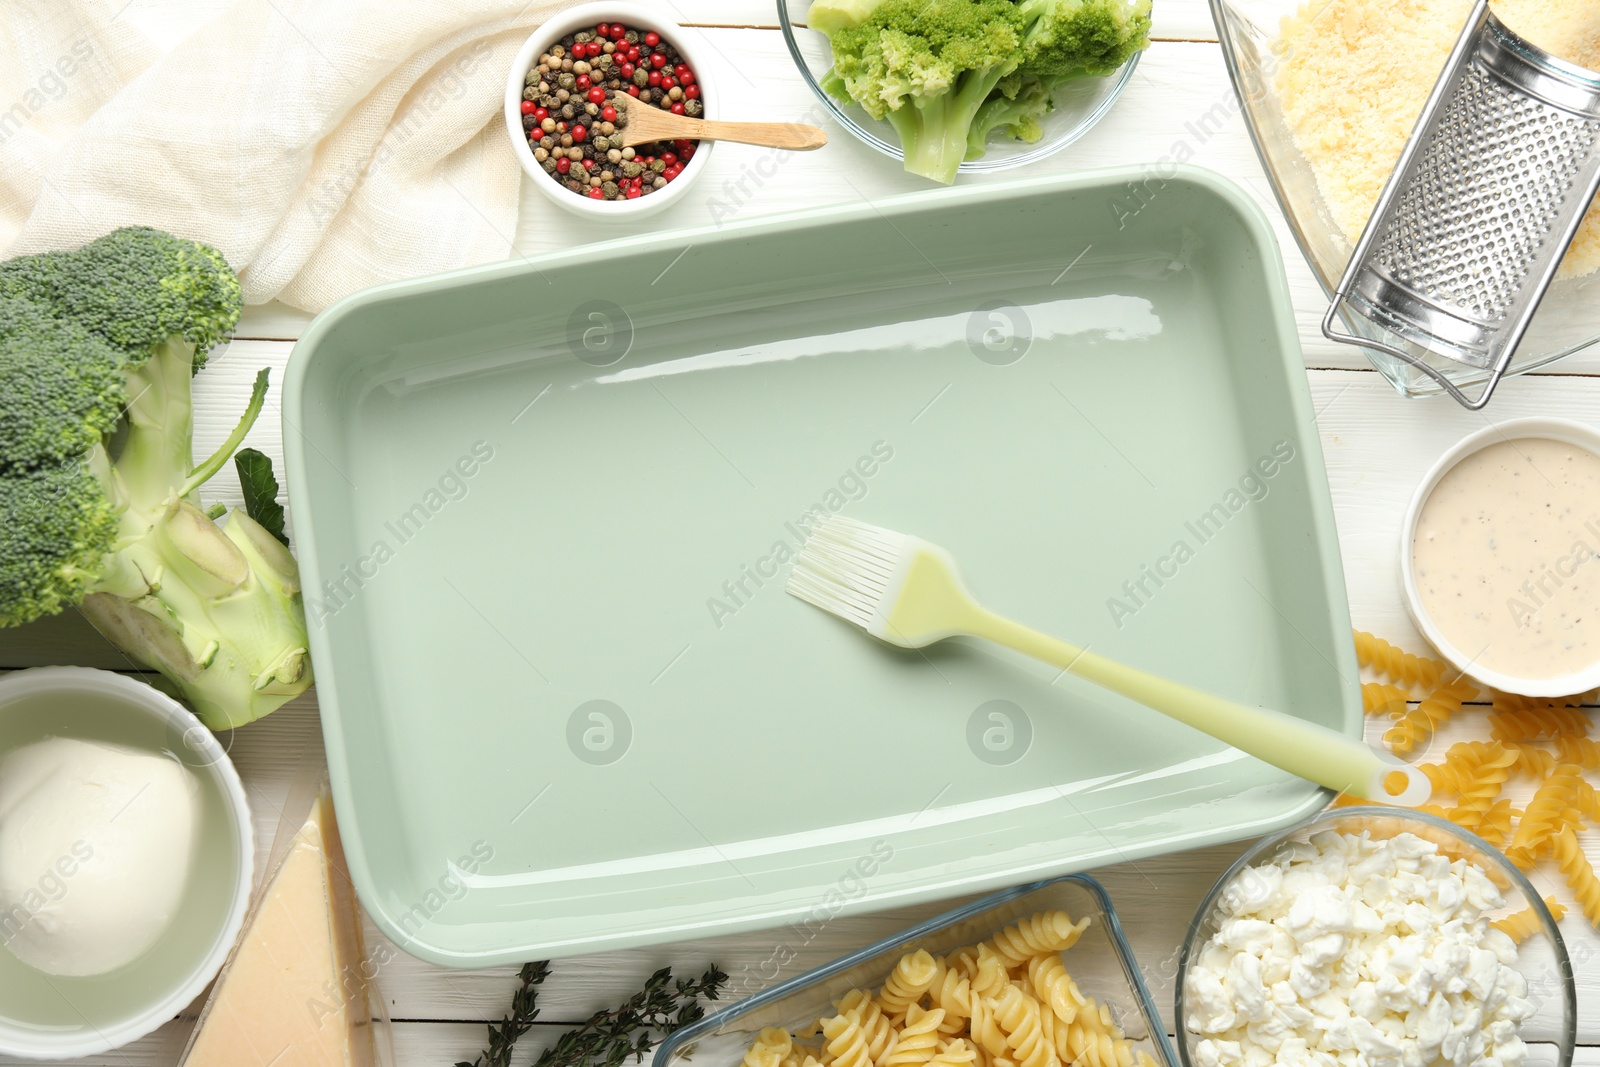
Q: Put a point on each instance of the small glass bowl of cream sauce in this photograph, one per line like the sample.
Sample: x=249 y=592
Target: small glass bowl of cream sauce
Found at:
x=1500 y=557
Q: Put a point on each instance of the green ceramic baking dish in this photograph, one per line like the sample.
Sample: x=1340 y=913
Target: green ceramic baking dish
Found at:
x=544 y=511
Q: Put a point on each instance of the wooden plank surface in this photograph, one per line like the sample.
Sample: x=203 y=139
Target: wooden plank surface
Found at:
x=1377 y=446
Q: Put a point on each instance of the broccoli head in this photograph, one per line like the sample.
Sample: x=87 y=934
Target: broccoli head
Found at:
x=939 y=70
x=98 y=485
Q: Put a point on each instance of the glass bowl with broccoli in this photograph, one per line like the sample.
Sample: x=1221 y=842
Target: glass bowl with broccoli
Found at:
x=962 y=86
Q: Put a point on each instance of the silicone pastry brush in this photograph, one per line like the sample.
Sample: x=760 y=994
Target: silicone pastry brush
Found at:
x=905 y=591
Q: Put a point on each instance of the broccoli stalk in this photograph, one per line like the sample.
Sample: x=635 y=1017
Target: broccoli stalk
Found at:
x=99 y=491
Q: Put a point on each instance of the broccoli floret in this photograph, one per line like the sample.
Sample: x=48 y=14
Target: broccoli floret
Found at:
x=99 y=491
x=61 y=387
x=927 y=66
x=1013 y=110
x=136 y=287
x=59 y=526
x=931 y=67
x=1078 y=38
x=831 y=16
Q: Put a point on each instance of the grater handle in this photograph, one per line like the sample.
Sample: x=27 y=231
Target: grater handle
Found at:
x=1333 y=334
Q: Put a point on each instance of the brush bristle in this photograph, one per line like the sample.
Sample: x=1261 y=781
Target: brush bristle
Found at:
x=845 y=567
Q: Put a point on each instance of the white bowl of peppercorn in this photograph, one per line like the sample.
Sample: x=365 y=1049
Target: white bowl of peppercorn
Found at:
x=563 y=126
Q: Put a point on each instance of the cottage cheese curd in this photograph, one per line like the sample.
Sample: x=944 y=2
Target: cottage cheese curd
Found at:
x=1358 y=952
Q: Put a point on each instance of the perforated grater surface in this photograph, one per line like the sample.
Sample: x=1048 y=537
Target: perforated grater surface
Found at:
x=1481 y=208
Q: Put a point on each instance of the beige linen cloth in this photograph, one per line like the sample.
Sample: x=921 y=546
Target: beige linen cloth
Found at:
x=322 y=145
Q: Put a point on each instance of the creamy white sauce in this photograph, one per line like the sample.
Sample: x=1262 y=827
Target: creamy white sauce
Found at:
x=1505 y=557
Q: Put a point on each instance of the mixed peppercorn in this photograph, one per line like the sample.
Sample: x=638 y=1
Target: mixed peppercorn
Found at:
x=571 y=122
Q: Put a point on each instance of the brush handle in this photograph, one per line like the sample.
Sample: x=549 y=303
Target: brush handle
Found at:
x=1304 y=748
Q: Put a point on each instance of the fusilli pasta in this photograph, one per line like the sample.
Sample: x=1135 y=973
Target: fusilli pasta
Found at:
x=769 y=1048
x=1480 y=789
x=954 y=1053
x=1380 y=699
x=1544 y=817
x=1415 y=672
x=918 y=1041
x=968 y=1009
x=1424 y=720
x=1521 y=925
x=1018 y=1016
x=911 y=978
x=951 y=991
x=1055 y=987
x=1533 y=723
x=1583 y=751
x=1580 y=875
x=846 y=1044
x=1049 y=931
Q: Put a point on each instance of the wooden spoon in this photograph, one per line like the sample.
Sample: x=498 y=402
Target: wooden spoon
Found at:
x=647 y=123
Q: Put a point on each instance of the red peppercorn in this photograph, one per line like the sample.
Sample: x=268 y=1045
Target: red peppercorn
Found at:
x=680 y=68
x=669 y=158
x=588 y=164
x=633 y=90
x=633 y=53
x=626 y=69
x=682 y=144
x=652 y=38
x=529 y=107
x=608 y=114
x=677 y=107
x=579 y=134
x=691 y=92
x=597 y=95
x=658 y=60
x=603 y=30
x=686 y=78
x=563 y=165
x=687 y=155
x=632 y=192
x=596 y=193
x=654 y=79
x=618 y=31
x=583 y=82
x=668 y=83
x=541 y=113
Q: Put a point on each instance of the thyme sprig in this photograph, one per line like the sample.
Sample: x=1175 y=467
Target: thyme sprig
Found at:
x=524 y=1009
x=609 y=1036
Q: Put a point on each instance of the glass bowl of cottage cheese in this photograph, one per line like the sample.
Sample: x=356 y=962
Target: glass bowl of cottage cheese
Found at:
x=1370 y=938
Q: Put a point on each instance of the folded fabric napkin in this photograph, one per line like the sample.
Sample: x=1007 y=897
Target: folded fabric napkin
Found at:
x=322 y=145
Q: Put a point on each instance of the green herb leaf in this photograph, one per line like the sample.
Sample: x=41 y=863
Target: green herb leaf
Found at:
x=260 y=491
x=606 y=1038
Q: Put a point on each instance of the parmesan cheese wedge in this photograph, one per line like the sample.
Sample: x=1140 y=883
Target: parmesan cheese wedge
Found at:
x=294 y=993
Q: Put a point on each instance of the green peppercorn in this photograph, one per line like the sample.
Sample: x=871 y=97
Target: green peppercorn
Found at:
x=570 y=81
x=658 y=166
x=692 y=108
x=641 y=78
x=530 y=93
x=610 y=189
x=549 y=166
x=630 y=169
x=601 y=144
x=532 y=78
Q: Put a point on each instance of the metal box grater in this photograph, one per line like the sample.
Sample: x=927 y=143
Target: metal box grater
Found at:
x=1485 y=201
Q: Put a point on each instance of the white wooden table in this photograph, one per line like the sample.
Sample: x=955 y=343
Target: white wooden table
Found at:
x=1377 y=445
